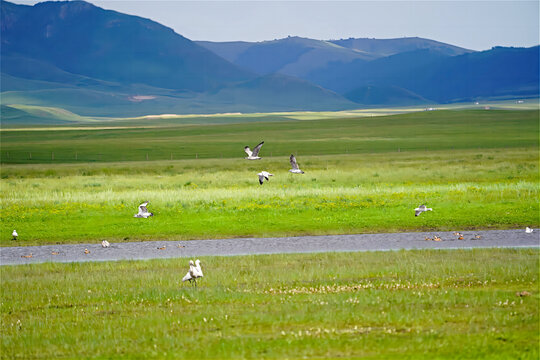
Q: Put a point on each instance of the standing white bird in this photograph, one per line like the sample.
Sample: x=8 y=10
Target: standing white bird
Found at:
x=189 y=276
x=14 y=234
x=421 y=209
x=295 y=169
x=528 y=230
x=198 y=272
x=105 y=244
x=143 y=211
x=264 y=175
x=253 y=155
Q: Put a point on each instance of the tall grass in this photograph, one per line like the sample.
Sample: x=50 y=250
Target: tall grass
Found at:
x=468 y=189
x=406 y=304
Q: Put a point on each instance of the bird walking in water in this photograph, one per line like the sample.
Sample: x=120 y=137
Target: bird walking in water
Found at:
x=295 y=169
x=422 y=208
x=14 y=234
x=264 y=175
x=143 y=211
x=253 y=155
x=528 y=230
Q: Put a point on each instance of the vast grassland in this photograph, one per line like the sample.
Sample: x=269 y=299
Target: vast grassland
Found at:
x=433 y=130
x=488 y=180
x=398 y=305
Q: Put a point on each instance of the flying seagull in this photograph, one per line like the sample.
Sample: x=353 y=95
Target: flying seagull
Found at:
x=264 y=175
x=253 y=155
x=105 y=244
x=14 y=234
x=421 y=209
x=143 y=211
x=295 y=169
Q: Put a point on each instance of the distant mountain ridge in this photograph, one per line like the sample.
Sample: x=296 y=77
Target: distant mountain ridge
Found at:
x=92 y=61
x=95 y=62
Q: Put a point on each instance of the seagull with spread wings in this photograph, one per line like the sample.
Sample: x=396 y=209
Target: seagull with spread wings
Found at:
x=422 y=208
x=295 y=169
x=143 y=211
x=253 y=155
x=264 y=175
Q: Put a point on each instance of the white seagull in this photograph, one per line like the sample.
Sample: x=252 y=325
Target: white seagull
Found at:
x=264 y=175
x=105 y=244
x=421 y=209
x=253 y=155
x=14 y=234
x=143 y=211
x=189 y=276
x=528 y=230
x=198 y=271
x=295 y=169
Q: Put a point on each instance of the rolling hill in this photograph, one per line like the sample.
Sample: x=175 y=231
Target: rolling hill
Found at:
x=88 y=61
x=433 y=75
x=97 y=62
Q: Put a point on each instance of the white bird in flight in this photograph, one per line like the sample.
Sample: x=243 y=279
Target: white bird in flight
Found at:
x=295 y=169
x=421 y=209
x=14 y=234
x=528 y=230
x=143 y=211
x=253 y=155
x=105 y=244
x=264 y=175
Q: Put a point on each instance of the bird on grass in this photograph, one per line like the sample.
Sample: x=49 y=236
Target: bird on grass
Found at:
x=105 y=244
x=528 y=230
x=295 y=169
x=194 y=272
x=422 y=208
x=14 y=234
x=264 y=175
x=143 y=211
x=188 y=276
x=253 y=155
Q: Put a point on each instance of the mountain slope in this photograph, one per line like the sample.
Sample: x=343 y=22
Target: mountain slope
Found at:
x=387 y=47
x=83 y=39
x=92 y=61
x=434 y=75
x=293 y=56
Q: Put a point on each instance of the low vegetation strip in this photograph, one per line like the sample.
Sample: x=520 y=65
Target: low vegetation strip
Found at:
x=480 y=304
x=425 y=131
x=346 y=194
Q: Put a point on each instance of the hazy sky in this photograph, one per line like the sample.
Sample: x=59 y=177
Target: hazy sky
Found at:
x=476 y=25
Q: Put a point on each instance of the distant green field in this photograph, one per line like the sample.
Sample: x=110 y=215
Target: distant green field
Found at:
x=477 y=169
x=436 y=304
x=428 y=131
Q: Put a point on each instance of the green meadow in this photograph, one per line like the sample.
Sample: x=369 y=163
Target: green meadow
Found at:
x=457 y=304
x=476 y=169
x=71 y=184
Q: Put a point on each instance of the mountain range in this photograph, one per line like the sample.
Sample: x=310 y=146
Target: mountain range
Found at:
x=90 y=61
